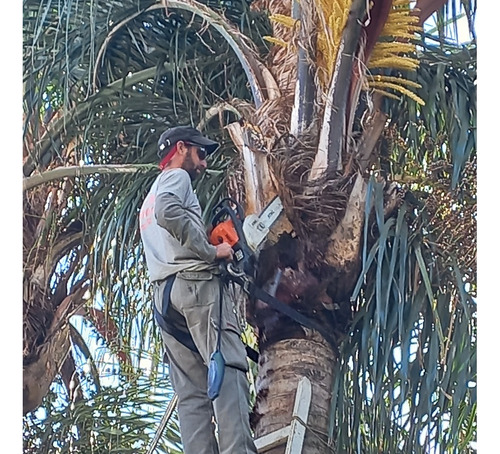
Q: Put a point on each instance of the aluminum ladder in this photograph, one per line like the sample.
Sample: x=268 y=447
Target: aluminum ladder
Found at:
x=294 y=433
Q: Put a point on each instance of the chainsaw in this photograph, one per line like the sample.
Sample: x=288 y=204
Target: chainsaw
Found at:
x=245 y=235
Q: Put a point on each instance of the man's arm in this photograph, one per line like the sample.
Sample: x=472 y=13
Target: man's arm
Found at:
x=171 y=214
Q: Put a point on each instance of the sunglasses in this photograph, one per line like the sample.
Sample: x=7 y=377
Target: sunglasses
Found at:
x=202 y=152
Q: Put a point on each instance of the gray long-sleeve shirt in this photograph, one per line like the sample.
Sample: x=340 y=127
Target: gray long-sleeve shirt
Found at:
x=172 y=229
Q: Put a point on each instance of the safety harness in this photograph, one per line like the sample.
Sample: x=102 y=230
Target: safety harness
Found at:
x=174 y=323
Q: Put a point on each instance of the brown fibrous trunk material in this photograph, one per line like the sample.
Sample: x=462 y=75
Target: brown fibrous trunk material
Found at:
x=281 y=366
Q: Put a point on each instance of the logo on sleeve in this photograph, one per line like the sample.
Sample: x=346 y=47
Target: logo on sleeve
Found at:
x=147 y=212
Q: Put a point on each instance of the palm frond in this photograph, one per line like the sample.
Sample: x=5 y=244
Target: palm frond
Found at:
x=445 y=127
x=409 y=361
x=119 y=418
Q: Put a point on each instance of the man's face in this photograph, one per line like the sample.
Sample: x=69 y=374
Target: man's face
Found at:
x=193 y=164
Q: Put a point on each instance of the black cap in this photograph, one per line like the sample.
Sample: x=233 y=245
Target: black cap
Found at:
x=187 y=134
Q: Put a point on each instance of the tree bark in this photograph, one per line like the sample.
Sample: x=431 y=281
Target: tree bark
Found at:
x=50 y=356
x=281 y=366
x=38 y=376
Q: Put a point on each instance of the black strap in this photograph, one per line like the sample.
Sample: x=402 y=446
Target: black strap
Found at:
x=172 y=321
x=252 y=353
x=221 y=284
x=279 y=306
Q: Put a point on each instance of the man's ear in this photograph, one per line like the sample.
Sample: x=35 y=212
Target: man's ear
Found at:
x=182 y=148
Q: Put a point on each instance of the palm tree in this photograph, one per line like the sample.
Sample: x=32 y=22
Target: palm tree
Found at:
x=367 y=135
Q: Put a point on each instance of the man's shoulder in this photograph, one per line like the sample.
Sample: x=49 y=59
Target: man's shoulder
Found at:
x=174 y=177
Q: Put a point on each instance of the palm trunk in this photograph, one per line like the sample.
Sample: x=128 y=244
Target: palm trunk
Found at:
x=281 y=366
x=39 y=375
x=47 y=306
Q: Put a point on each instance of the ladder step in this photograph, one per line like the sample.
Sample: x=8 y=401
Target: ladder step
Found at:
x=273 y=439
x=294 y=433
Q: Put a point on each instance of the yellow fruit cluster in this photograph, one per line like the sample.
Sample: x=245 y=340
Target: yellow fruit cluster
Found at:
x=395 y=48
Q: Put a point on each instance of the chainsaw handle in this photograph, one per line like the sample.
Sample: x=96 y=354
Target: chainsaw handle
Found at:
x=223 y=208
x=237 y=217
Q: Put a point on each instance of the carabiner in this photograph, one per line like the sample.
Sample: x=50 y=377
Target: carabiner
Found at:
x=233 y=271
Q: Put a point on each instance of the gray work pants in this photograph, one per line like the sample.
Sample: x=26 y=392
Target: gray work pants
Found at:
x=196 y=296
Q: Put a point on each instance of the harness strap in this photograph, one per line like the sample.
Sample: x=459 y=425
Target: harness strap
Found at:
x=172 y=321
x=256 y=292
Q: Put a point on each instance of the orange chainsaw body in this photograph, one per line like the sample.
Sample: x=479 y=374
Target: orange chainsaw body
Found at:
x=224 y=232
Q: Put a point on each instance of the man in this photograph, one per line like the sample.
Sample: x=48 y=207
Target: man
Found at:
x=183 y=267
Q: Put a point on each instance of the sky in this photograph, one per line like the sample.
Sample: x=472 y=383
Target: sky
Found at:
x=489 y=165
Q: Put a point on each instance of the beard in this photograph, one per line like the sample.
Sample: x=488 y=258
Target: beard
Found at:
x=191 y=168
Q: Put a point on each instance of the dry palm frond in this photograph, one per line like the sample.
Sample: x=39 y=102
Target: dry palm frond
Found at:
x=235 y=178
x=272 y=120
x=313 y=210
x=284 y=68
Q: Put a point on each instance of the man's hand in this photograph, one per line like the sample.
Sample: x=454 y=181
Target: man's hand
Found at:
x=224 y=251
